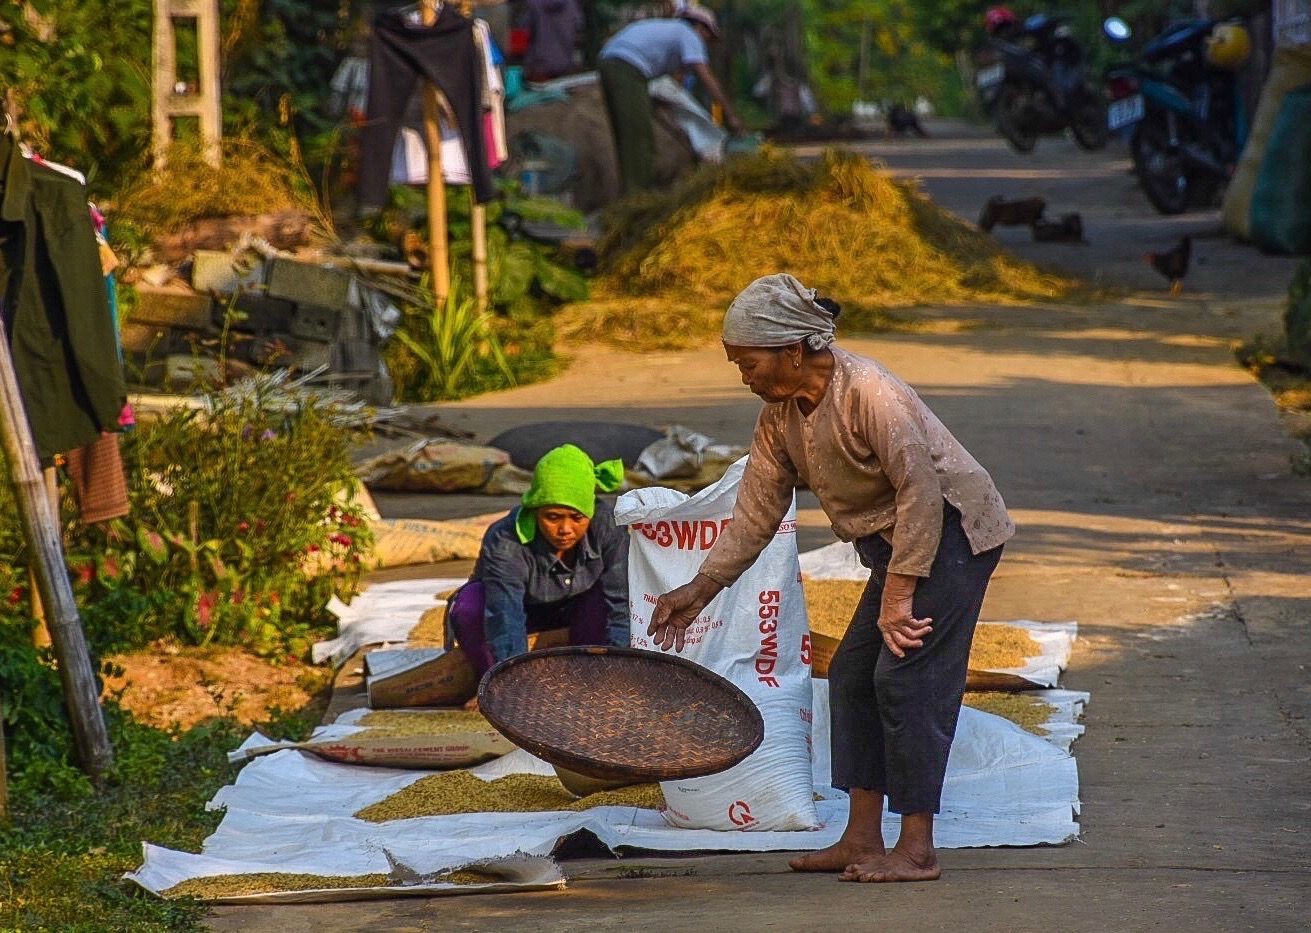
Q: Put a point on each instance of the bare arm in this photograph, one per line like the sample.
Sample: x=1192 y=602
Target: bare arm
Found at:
x=707 y=78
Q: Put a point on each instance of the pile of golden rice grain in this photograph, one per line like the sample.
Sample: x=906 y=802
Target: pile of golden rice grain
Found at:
x=462 y=792
x=1027 y=712
x=831 y=604
x=212 y=887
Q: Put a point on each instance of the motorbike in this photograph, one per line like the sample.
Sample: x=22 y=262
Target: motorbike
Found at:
x=1179 y=103
x=1031 y=81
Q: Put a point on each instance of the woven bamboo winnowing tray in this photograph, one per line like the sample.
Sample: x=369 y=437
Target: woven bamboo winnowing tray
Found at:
x=621 y=713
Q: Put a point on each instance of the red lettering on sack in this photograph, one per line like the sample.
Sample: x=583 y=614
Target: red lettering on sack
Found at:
x=767 y=659
x=806 y=715
x=805 y=650
x=739 y=814
x=684 y=536
x=651 y=598
x=787 y=528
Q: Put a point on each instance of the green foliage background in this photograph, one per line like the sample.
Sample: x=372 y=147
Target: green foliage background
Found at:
x=81 y=73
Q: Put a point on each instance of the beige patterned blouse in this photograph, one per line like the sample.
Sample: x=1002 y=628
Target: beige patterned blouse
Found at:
x=879 y=461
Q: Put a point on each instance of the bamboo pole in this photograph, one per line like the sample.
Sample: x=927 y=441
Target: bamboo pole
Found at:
x=41 y=529
x=437 y=247
x=40 y=631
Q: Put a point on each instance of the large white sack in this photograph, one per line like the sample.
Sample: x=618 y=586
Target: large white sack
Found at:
x=756 y=634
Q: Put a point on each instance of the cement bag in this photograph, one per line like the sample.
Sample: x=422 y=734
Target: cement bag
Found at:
x=1281 y=200
x=432 y=466
x=755 y=633
x=1290 y=68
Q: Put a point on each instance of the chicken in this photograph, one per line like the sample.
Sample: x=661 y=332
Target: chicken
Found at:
x=1023 y=213
x=1069 y=229
x=902 y=120
x=1173 y=264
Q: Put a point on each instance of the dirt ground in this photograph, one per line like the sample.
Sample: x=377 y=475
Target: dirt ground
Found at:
x=1150 y=479
x=168 y=685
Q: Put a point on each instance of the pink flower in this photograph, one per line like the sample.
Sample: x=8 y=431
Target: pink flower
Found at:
x=243 y=526
x=205 y=608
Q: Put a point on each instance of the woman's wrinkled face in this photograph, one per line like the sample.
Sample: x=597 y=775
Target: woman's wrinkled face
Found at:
x=561 y=526
x=769 y=372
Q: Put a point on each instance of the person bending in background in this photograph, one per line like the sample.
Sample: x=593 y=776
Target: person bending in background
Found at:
x=556 y=560
x=639 y=53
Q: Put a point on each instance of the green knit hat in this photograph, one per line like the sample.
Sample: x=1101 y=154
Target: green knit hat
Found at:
x=566 y=476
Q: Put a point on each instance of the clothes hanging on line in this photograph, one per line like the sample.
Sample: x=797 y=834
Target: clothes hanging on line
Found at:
x=55 y=307
x=498 y=149
x=400 y=54
x=99 y=485
x=409 y=164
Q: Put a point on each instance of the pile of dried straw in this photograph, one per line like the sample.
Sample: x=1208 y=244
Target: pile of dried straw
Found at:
x=674 y=259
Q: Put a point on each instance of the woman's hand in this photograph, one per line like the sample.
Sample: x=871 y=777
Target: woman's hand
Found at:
x=678 y=609
x=897 y=622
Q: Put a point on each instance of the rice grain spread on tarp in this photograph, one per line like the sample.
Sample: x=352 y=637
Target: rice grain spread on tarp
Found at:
x=673 y=259
x=403 y=724
x=216 y=886
x=831 y=604
x=462 y=792
x=1027 y=712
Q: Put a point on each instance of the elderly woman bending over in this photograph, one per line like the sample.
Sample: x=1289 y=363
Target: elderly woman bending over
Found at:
x=925 y=519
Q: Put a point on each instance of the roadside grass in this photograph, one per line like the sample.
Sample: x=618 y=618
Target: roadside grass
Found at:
x=66 y=846
x=1268 y=360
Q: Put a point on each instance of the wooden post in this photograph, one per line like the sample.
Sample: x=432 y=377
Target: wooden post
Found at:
x=42 y=531
x=437 y=250
x=166 y=103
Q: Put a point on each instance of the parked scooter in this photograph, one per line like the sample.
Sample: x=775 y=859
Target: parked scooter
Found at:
x=1031 y=81
x=1180 y=102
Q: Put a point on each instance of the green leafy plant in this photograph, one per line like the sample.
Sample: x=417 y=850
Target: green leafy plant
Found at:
x=242 y=527
x=455 y=345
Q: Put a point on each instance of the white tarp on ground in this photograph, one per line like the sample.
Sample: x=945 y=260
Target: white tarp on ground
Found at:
x=295 y=811
x=164 y=868
x=384 y=613
x=838 y=561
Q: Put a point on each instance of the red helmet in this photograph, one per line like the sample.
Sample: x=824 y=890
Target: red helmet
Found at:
x=997 y=17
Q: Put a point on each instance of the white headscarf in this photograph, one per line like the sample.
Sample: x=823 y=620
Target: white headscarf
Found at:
x=776 y=311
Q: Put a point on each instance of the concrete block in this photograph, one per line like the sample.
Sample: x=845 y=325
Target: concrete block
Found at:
x=355 y=356
x=355 y=325
x=261 y=314
x=172 y=307
x=309 y=354
x=304 y=283
x=217 y=271
x=311 y=322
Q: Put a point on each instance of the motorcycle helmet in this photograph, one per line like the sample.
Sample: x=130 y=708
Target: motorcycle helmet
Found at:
x=1228 y=46
x=999 y=17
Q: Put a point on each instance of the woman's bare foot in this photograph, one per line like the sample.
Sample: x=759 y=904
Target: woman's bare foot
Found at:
x=838 y=856
x=896 y=865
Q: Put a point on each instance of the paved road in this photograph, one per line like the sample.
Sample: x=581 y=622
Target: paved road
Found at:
x=1150 y=479
x=961 y=166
